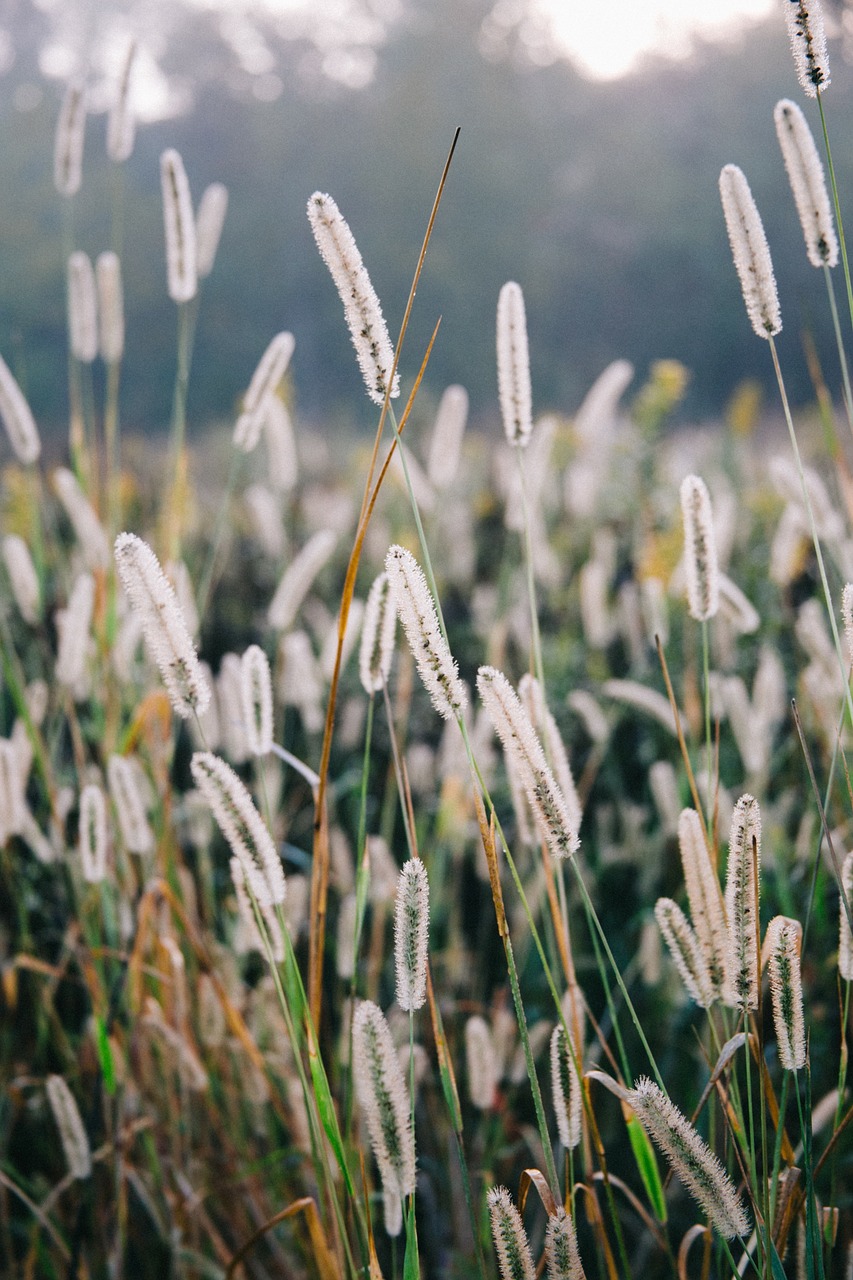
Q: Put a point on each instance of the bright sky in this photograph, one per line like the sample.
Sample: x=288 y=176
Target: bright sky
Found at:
x=608 y=36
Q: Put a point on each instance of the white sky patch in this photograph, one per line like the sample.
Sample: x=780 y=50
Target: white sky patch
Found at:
x=607 y=38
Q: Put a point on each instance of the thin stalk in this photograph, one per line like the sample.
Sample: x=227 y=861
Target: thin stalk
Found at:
x=837 y=206
x=839 y=342
x=709 y=757
x=218 y=534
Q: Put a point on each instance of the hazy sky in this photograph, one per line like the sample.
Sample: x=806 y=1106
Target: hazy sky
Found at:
x=608 y=36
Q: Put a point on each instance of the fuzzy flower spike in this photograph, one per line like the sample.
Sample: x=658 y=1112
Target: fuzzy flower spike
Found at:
x=693 y=1161
x=750 y=252
x=514 y=390
x=808 y=185
x=808 y=44
x=166 y=635
x=411 y=935
x=513 y=1248
x=700 y=550
x=384 y=1099
x=418 y=615
x=367 y=326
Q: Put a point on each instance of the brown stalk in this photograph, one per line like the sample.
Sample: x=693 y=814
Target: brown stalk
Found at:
x=320 y=866
x=323 y=1258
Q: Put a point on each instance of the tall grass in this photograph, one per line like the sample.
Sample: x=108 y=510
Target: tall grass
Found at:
x=316 y=965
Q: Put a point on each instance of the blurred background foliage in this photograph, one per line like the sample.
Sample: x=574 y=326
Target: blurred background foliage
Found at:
x=600 y=198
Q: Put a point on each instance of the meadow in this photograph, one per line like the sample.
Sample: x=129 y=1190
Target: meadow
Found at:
x=428 y=856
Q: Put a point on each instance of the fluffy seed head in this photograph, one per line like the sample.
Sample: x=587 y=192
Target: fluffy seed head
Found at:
x=750 y=252
x=411 y=934
x=23 y=578
x=121 y=121
x=845 y=943
x=481 y=1061
x=384 y=1099
x=700 y=549
x=298 y=579
x=363 y=313
x=561 y=1248
x=446 y=442
x=87 y=527
x=129 y=805
x=808 y=185
x=82 y=308
x=685 y=951
x=742 y=889
x=18 y=418
x=808 y=44
x=265 y=380
x=241 y=825
x=705 y=898
x=377 y=636
x=513 y=1248
x=783 y=941
x=72 y=1134
x=179 y=224
x=692 y=1160
x=418 y=615
x=566 y=1089
x=518 y=738
x=847 y=616
x=70 y=136
x=13 y=807
x=166 y=634
x=73 y=624
x=516 y=397
x=110 y=307
x=533 y=699
x=209 y=221
x=256 y=693
x=93 y=833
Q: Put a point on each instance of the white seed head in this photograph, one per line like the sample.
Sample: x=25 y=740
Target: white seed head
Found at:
x=446 y=443
x=783 y=941
x=167 y=637
x=87 y=527
x=264 y=384
x=704 y=895
x=417 y=612
x=691 y=1159
x=742 y=890
x=411 y=934
x=847 y=616
x=93 y=833
x=511 y=1244
x=18 y=418
x=561 y=1248
x=280 y=442
x=750 y=252
x=481 y=1063
x=700 y=549
x=845 y=941
x=209 y=221
x=566 y=1088
x=23 y=578
x=685 y=951
x=363 y=313
x=129 y=805
x=121 y=120
x=252 y=892
x=642 y=698
x=384 y=1099
x=518 y=738
x=241 y=825
x=73 y=624
x=298 y=579
x=70 y=136
x=808 y=44
x=110 y=307
x=533 y=698
x=72 y=1134
x=13 y=808
x=808 y=185
x=516 y=398
x=377 y=636
x=256 y=694
x=179 y=225
x=82 y=308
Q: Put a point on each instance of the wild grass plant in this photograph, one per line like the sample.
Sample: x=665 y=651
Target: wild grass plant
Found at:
x=517 y=938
